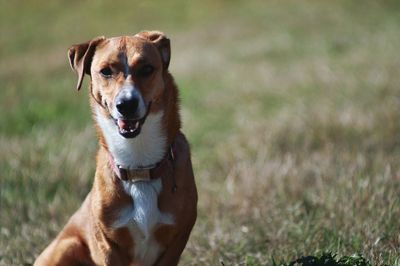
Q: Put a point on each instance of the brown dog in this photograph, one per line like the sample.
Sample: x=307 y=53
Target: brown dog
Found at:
x=143 y=202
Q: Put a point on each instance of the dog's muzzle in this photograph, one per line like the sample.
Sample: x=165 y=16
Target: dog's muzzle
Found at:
x=131 y=112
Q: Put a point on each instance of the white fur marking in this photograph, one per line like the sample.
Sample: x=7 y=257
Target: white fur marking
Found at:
x=142 y=217
x=144 y=210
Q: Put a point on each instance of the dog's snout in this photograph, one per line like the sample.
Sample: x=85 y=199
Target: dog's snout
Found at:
x=127 y=102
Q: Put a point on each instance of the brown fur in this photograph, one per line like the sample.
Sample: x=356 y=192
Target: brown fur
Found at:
x=88 y=238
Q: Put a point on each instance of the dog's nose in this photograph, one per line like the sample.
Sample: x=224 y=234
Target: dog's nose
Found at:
x=127 y=102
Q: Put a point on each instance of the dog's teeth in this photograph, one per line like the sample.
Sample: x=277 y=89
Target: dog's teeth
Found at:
x=137 y=124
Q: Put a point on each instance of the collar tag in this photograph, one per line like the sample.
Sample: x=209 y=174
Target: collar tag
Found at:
x=135 y=174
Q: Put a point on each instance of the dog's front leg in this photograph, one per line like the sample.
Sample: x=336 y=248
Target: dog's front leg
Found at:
x=173 y=252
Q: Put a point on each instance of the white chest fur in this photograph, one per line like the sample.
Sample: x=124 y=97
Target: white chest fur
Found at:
x=143 y=212
x=142 y=217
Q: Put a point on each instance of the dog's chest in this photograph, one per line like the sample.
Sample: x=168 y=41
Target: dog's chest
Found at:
x=142 y=217
x=146 y=250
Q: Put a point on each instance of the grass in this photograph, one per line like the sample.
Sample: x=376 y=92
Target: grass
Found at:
x=292 y=110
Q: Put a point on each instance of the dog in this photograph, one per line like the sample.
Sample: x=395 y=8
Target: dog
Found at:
x=143 y=202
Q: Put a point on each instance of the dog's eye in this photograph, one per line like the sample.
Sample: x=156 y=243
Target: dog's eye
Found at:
x=145 y=71
x=106 y=72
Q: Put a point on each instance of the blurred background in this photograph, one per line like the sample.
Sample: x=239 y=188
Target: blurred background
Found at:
x=292 y=109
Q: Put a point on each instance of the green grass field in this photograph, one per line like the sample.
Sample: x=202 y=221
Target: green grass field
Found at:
x=292 y=109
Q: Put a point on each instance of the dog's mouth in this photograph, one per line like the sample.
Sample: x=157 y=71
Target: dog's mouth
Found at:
x=130 y=128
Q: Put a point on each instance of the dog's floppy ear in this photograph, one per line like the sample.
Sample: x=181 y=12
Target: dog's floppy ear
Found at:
x=161 y=42
x=80 y=58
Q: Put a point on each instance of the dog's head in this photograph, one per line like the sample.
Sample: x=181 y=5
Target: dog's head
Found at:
x=127 y=75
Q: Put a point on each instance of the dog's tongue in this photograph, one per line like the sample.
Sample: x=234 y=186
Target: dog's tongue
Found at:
x=123 y=124
x=127 y=124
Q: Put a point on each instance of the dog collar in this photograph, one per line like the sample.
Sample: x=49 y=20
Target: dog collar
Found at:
x=146 y=173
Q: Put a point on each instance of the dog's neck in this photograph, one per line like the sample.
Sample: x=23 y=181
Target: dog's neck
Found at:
x=148 y=148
